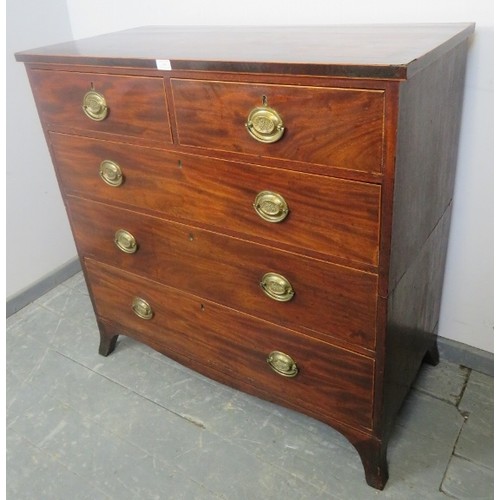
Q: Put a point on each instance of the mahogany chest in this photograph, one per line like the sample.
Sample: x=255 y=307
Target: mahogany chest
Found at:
x=267 y=206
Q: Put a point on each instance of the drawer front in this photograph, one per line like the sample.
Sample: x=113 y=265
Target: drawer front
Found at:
x=136 y=105
x=330 y=380
x=332 y=216
x=326 y=126
x=330 y=300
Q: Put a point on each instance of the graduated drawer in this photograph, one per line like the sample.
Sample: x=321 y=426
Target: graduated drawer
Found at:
x=335 y=217
x=332 y=381
x=329 y=300
x=136 y=105
x=327 y=126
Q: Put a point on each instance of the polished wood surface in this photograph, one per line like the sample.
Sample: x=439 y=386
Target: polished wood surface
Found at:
x=336 y=218
x=338 y=127
x=330 y=380
x=378 y=51
x=330 y=301
x=366 y=165
x=137 y=105
x=430 y=107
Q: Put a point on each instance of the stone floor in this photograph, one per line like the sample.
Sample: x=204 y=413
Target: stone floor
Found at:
x=136 y=425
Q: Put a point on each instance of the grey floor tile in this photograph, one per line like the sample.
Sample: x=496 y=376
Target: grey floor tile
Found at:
x=24 y=352
x=476 y=439
x=466 y=480
x=81 y=445
x=77 y=282
x=232 y=472
x=429 y=417
x=418 y=462
x=478 y=395
x=12 y=387
x=39 y=323
x=153 y=479
x=444 y=381
x=70 y=303
x=21 y=315
x=77 y=341
x=136 y=424
x=32 y=473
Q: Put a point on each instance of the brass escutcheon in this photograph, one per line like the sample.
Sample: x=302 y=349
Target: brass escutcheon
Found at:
x=264 y=124
x=277 y=287
x=94 y=106
x=270 y=206
x=125 y=241
x=141 y=308
x=111 y=173
x=283 y=364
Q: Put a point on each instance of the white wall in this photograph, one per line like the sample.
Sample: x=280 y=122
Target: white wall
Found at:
x=38 y=235
x=467 y=312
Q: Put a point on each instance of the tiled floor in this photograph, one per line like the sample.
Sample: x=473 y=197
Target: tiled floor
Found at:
x=136 y=425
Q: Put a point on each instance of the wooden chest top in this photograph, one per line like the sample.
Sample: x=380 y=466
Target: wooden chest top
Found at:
x=380 y=51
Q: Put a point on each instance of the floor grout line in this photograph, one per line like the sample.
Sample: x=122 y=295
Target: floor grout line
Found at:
x=464 y=417
x=184 y=417
x=314 y=434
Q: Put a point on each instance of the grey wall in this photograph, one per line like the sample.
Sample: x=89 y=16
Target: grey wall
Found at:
x=38 y=235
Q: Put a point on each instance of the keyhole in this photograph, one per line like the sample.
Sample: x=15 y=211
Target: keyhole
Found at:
x=179 y=164
x=264 y=100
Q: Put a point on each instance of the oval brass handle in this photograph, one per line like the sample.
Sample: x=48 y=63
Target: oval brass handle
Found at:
x=111 y=173
x=283 y=364
x=270 y=206
x=141 y=308
x=94 y=106
x=277 y=287
x=125 y=241
x=264 y=124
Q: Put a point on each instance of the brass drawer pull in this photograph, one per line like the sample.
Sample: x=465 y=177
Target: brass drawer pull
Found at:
x=141 y=308
x=111 y=173
x=282 y=364
x=277 y=287
x=94 y=106
x=270 y=206
x=125 y=241
x=264 y=124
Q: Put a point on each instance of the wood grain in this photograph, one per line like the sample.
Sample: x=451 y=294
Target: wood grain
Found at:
x=338 y=127
x=337 y=218
x=366 y=165
x=390 y=51
x=330 y=380
x=137 y=105
x=429 y=107
x=331 y=302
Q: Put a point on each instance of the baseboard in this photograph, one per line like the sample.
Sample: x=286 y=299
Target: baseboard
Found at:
x=466 y=355
x=36 y=290
x=450 y=350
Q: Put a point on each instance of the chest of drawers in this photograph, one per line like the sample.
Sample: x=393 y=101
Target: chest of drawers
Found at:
x=269 y=207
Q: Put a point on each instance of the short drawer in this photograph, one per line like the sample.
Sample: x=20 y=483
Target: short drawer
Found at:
x=135 y=106
x=328 y=300
x=327 y=126
x=325 y=379
x=335 y=217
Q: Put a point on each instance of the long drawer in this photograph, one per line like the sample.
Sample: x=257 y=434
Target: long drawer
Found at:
x=327 y=126
x=335 y=217
x=133 y=106
x=314 y=374
x=328 y=300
